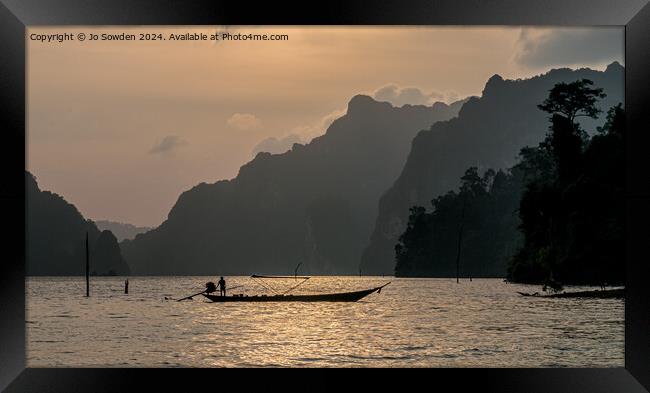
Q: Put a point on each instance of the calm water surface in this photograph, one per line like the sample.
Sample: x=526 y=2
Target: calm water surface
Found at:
x=411 y=323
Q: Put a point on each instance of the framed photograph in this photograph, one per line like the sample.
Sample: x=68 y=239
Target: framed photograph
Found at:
x=454 y=188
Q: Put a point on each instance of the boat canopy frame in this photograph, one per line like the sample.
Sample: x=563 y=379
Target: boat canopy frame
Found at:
x=261 y=282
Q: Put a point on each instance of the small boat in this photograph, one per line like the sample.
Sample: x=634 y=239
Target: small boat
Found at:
x=326 y=297
x=604 y=294
x=284 y=297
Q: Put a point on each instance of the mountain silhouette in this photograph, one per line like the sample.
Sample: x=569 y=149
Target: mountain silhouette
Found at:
x=56 y=235
x=121 y=230
x=488 y=133
x=314 y=204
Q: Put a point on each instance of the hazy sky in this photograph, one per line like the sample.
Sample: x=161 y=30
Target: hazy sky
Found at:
x=120 y=129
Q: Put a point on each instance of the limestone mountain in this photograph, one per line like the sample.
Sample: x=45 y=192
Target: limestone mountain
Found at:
x=314 y=204
x=56 y=235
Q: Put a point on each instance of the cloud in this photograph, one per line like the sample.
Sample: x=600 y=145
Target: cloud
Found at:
x=274 y=145
x=392 y=93
x=400 y=96
x=168 y=145
x=542 y=48
x=244 y=121
x=301 y=134
x=310 y=131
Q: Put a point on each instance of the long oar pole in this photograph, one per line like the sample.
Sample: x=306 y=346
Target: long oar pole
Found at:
x=204 y=291
x=460 y=240
x=196 y=294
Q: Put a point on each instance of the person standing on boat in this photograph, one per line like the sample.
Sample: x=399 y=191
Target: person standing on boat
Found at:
x=222 y=286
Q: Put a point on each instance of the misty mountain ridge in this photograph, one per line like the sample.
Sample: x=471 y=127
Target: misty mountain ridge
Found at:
x=488 y=132
x=314 y=204
x=121 y=230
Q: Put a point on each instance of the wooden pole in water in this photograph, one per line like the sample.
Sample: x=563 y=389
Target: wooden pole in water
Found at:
x=295 y=272
x=460 y=239
x=460 y=236
x=87 y=269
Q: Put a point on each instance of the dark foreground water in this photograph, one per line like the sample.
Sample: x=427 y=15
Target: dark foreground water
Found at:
x=411 y=323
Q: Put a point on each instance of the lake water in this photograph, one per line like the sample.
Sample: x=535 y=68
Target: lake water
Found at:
x=411 y=323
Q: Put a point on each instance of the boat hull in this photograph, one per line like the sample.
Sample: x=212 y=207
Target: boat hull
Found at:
x=329 y=297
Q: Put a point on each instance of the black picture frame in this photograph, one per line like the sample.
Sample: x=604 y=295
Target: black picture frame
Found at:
x=17 y=15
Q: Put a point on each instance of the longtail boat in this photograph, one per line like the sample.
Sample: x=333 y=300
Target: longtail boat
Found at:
x=285 y=297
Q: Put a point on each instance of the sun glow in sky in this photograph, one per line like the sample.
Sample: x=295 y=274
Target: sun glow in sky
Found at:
x=121 y=128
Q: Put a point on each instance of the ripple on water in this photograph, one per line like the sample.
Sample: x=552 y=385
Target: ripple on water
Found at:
x=414 y=322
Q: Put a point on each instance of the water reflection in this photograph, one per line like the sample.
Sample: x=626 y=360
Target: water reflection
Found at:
x=413 y=322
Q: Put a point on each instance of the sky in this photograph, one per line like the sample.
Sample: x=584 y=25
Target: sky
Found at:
x=121 y=128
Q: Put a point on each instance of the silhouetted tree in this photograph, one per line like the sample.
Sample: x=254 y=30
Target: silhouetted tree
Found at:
x=478 y=224
x=615 y=122
x=566 y=139
x=572 y=222
x=573 y=100
x=569 y=195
